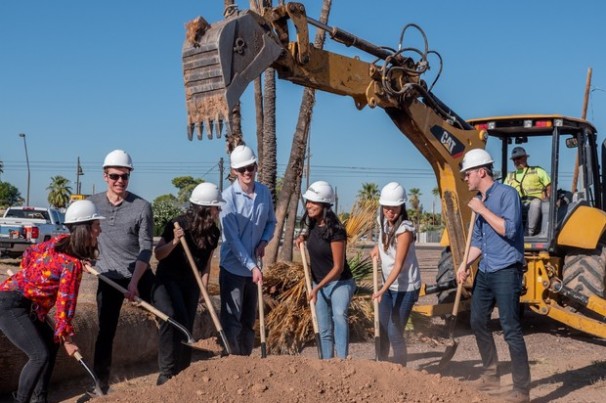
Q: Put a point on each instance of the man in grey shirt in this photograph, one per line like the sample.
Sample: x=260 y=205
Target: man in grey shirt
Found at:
x=125 y=248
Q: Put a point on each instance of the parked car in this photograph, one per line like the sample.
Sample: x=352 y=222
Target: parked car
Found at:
x=24 y=226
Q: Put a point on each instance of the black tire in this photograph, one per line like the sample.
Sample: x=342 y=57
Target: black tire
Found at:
x=585 y=271
x=445 y=274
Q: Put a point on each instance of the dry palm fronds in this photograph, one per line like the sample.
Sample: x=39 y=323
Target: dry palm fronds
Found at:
x=361 y=220
x=289 y=321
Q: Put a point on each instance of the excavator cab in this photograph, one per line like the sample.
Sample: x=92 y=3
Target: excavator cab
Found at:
x=555 y=143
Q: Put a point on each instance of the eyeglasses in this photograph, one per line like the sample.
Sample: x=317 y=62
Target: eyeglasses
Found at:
x=468 y=173
x=115 y=177
x=248 y=168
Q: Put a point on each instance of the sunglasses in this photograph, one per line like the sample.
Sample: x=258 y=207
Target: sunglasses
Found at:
x=248 y=168
x=115 y=177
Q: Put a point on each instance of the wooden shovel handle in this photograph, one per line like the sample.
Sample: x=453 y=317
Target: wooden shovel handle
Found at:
x=123 y=290
x=314 y=317
x=203 y=290
x=472 y=221
x=375 y=302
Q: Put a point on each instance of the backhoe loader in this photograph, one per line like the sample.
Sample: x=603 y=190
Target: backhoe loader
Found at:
x=566 y=260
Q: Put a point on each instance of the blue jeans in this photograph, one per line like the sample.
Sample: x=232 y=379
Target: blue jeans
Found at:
x=239 y=301
x=394 y=311
x=502 y=288
x=35 y=339
x=331 y=308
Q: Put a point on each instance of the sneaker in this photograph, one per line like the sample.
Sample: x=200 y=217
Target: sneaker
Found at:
x=162 y=379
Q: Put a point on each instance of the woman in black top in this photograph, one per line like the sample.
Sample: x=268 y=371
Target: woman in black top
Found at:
x=333 y=284
x=176 y=291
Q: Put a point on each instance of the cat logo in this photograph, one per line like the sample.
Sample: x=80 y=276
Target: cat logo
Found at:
x=454 y=147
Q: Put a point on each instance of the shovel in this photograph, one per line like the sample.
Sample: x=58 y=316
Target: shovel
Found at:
x=149 y=307
x=98 y=390
x=261 y=312
x=312 y=304
x=207 y=300
x=452 y=348
x=77 y=356
x=375 y=305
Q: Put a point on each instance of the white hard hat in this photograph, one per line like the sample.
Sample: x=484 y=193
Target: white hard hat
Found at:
x=392 y=194
x=118 y=158
x=81 y=211
x=206 y=194
x=320 y=192
x=242 y=156
x=475 y=158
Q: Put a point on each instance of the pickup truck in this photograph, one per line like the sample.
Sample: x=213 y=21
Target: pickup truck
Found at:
x=22 y=227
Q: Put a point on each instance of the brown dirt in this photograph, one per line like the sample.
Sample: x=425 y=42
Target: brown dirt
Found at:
x=566 y=366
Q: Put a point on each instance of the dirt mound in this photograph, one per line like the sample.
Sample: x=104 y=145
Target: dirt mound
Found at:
x=300 y=379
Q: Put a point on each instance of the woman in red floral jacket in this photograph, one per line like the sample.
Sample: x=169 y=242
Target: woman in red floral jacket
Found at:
x=50 y=276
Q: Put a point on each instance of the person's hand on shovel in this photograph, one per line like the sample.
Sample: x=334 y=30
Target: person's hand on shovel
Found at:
x=70 y=347
x=462 y=273
x=374 y=254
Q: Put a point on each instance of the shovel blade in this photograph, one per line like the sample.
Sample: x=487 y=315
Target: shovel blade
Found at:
x=448 y=354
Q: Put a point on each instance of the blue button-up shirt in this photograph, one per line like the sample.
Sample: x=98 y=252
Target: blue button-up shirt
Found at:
x=499 y=252
x=246 y=220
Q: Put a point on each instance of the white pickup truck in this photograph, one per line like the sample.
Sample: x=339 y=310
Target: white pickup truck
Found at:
x=22 y=227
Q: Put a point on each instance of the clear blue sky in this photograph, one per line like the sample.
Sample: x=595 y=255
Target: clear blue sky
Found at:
x=83 y=78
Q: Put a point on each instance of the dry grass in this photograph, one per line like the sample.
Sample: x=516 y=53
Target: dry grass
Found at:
x=288 y=322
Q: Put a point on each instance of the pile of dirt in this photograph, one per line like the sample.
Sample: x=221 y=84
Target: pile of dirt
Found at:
x=300 y=379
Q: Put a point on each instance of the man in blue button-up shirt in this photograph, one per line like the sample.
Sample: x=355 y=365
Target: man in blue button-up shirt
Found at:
x=248 y=222
x=498 y=239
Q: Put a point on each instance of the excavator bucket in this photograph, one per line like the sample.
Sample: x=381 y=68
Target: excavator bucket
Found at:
x=219 y=61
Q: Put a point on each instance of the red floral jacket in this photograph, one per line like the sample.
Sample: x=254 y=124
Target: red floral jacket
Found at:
x=49 y=278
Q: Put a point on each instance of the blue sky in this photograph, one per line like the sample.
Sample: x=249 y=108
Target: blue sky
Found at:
x=82 y=78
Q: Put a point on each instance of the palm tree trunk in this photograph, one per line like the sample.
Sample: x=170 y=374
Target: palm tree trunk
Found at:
x=289 y=226
x=268 y=172
x=294 y=171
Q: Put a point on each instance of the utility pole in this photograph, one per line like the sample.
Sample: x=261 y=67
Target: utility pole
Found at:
x=575 y=173
x=336 y=201
x=79 y=172
x=221 y=174
x=307 y=168
x=22 y=135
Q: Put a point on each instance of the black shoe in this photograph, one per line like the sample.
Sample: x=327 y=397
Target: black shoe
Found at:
x=162 y=379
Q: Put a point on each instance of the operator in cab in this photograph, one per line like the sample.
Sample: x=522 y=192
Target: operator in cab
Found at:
x=532 y=183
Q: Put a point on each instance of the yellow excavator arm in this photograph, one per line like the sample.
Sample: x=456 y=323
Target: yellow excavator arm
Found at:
x=220 y=60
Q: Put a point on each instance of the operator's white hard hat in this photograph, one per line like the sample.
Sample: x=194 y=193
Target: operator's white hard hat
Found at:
x=82 y=211
x=118 y=158
x=393 y=194
x=242 y=156
x=206 y=194
x=320 y=192
x=475 y=158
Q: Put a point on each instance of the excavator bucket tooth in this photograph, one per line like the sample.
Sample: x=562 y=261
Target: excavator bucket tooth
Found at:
x=200 y=130
x=190 y=131
x=219 y=126
x=220 y=60
x=210 y=126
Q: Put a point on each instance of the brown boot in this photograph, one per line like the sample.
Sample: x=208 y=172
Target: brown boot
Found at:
x=487 y=383
x=516 y=396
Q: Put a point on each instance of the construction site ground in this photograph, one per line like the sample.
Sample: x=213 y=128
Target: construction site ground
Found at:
x=566 y=366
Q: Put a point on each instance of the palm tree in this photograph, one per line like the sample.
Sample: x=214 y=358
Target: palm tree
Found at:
x=368 y=193
x=436 y=195
x=415 y=202
x=288 y=198
x=59 y=192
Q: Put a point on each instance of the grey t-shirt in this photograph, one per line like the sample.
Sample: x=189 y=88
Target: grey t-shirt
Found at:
x=126 y=234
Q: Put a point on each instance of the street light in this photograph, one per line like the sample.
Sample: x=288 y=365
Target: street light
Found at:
x=27 y=162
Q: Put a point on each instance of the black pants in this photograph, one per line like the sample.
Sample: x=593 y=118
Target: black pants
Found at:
x=35 y=338
x=178 y=299
x=109 y=304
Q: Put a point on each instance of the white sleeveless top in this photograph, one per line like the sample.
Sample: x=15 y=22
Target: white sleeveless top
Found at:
x=410 y=277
